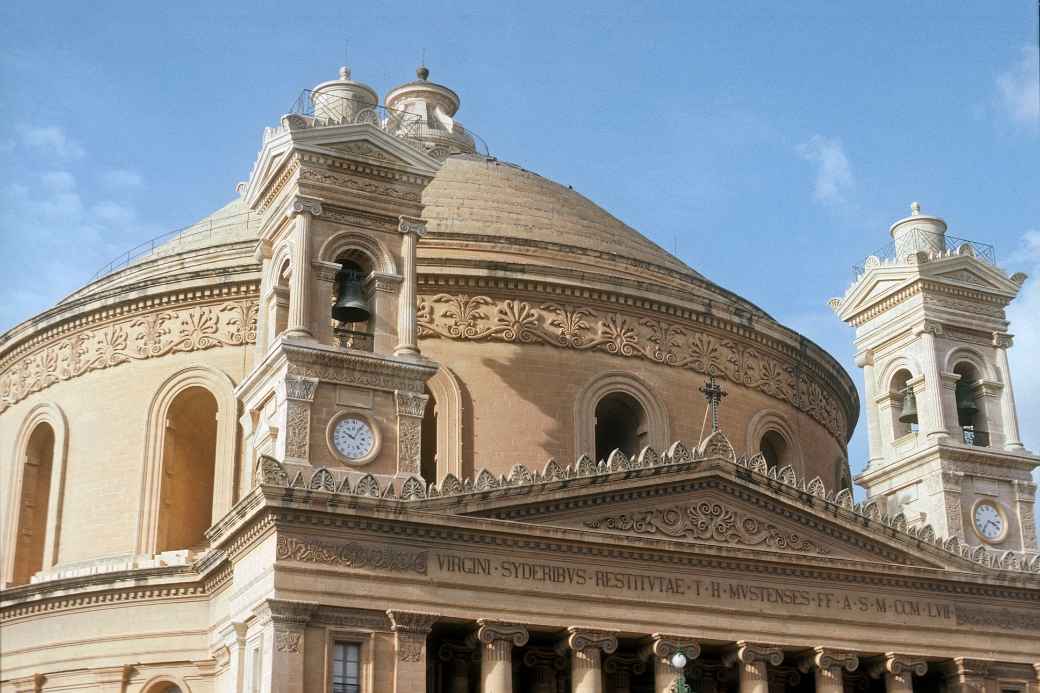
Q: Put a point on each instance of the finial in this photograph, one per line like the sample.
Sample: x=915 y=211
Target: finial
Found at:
x=344 y=73
x=422 y=73
x=915 y=208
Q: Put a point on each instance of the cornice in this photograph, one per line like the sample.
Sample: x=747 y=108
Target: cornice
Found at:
x=361 y=168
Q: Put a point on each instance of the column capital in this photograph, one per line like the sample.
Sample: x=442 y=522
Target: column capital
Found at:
x=407 y=225
x=897 y=665
x=411 y=621
x=748 y=653
x=489 y=631
x=865 y=358
x=928 y=327
x=300 y=204
x=663 y=646
x=263 y=251
x=284 y=612
x=410 y=404
x=1003 y=340
x=450 y=651
x=580 y=639
x=827 y=658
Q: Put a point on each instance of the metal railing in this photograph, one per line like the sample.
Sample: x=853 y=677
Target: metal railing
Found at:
x=922 y=239
x=978 y=439
x=206 y=227
x=321 y=109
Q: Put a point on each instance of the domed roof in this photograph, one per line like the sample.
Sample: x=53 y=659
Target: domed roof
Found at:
x=484 y=197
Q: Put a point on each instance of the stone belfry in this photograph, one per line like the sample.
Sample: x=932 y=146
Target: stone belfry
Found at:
x=932 y=339
x=338 y=380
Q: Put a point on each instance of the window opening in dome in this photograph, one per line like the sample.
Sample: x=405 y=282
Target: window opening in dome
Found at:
x=428 y=450
x=620 y=425
x=774 y=448
x=32 y=510
x=188 y=466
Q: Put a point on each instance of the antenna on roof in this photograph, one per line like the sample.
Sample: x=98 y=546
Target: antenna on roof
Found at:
x=422 y=60
x=346 y=51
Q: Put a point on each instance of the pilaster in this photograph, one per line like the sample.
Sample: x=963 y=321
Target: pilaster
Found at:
x=1012 y=439
x=229 y=654
x=587 y=647
x=865 y=360
x=283 y=623
x=497 y=640
x=410 y=630
x=412 y=230
x=302 y=209
x=299 y=396
x=410 y=408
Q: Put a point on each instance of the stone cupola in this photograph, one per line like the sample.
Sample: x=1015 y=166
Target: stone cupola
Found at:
x=343 y=100
x=435 y=106
x=918 y=233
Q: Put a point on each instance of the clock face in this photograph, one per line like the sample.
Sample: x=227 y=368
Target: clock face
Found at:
x=988 y=521
x=353 y=438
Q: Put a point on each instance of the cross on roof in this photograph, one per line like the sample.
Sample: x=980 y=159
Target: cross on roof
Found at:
x=714 y=393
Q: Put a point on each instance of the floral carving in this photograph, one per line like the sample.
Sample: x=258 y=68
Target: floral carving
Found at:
x=143 y=336
x=468 y=317
x=352 y=555
x=707 y=521
x=409 y=444
x=287 y=640
x=298 y=429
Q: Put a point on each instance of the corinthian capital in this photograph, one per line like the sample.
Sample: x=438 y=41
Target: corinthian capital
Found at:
x=748 y=653
x=301 y=204
x=490 y=631
x=826 y=658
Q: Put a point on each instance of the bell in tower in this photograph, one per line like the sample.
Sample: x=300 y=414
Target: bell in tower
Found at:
x=966 y=407
x=909 y=413
x=351 y=304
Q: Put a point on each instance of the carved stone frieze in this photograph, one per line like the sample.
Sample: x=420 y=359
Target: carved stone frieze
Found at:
x=1005 y=619
x=352 y=369
x=355 y=218
x=363 y=619
x=297 y=429
x=489 y=631
x=707 y=521
x=134 y=338
x=482 y=318
x=311 y=175
x=352 y=555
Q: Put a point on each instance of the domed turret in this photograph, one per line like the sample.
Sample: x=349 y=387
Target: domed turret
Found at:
x=342 y=100
x=434 y=105
x=918 y=233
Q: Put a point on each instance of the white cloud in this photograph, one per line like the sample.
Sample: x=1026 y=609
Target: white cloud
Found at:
x=52 y=140
x=122 y=178
x=834 y=178
x=1019 y=89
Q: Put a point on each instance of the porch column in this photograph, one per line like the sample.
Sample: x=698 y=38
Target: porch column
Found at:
x=661 y=648
x=283 y=623
x=753 y=661
x=586 y=646
x=302 y=209
x=965 y=675
x=828 y=665
x=457 y=658
x=898 y=671
x=412 y=230
x=410 y=630
x=620 y=668
x=496 y=653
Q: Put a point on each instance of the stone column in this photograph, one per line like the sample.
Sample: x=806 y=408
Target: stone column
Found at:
x=661 y=648
x=620 y=668
x=1008 y=413
x=865 y=360
x=898 y=671
x=496 y=653
x=934 y=424
x=265 y=313
x=410 y=630
x=753 y=661
x=586 y=648
x=284 y=623
x=411 y=230
x=965 y=675
x=828 y=665
x=457 y=658
x=303 y=209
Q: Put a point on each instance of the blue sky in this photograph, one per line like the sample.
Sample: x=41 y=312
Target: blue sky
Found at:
x=770 y=145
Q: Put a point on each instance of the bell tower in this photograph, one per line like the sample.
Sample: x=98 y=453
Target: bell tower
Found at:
x=932 y=340
x=338 y=380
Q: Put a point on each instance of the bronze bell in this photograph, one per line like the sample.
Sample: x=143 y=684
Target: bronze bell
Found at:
x=966 y=407
x=351 y=304
x=909 y=413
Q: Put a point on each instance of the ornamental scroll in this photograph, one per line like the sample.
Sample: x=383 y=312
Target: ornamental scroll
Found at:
x=481 y=318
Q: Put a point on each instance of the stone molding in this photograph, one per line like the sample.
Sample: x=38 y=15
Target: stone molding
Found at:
x=364 y=168
x=490 y=631
x=477 y=317
x=828 y=658
x=284 y=612
x=343 y=368
x=411 y=621
x=750 y=653
x=29 y=684
x=897 y=665
x=356 y=184
x=580 y=639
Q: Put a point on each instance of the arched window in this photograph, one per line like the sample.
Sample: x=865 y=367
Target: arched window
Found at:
x=971 y=415
x=620 y=425
x=428 y=450
x=773 y=447
x=188 y=468
x=30 y=544
x=903 y=403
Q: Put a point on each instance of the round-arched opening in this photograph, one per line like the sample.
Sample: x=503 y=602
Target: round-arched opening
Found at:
x=620 y=425
x=428 y=448
x=905 y=416
x=773 y=447
x=352 y=308
x=970 y=414
x=33 y=504
x=188 y=468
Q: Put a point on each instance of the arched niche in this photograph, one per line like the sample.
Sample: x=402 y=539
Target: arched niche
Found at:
x=157 y=445
x=771 y=428
x=445 y=401
x=347 y=243
x=36 y=494
x=657 y=433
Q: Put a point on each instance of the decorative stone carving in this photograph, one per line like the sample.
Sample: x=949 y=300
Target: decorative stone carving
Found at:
x=482 y=318
x=297 y=430
x=707 y=521
x=411 y=628
x=663 y=646
x=827 y=658
x=270 y=471
x=409 y=445
x=749 y=653
x=1005 y=619
x=352 y=555
x=717 y=445
x=1002 y=340
x=301 y=204
x=410 y=403
x=897 y=664
x=412 y=225
x=489 y=631
x=311 y=175
x=135 y=338
x=300 y=388
x=581 y=639
x=287 y=640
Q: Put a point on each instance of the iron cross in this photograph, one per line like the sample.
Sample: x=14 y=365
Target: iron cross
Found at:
x=714 y=393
